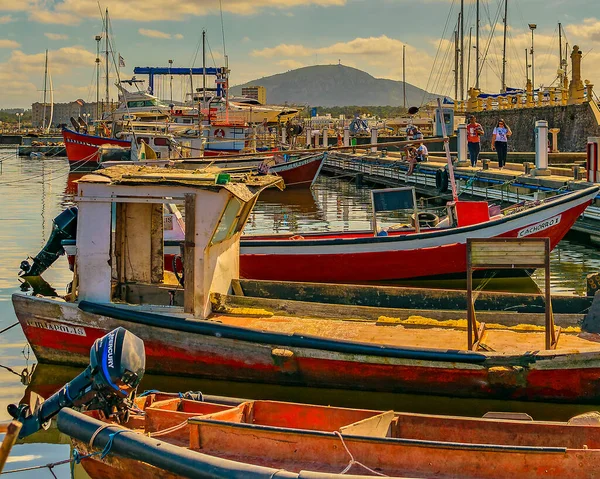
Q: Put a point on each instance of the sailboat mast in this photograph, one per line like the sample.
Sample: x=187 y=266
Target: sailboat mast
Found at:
x=469 y=56
x=477 y=48
x=106 y=41
x=45 y=89
x=404 y=75
x=504 y=47
x=98 y=38
x=203 y=67
x=462 y=49
x=456 y=73
x=560 y=54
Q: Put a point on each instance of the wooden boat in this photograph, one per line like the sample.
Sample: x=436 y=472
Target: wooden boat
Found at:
x=174 y=437
x=84 y=148
x=120 y=281
x=358 y=257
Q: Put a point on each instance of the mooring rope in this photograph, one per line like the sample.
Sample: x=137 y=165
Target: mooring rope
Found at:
x=354 y=461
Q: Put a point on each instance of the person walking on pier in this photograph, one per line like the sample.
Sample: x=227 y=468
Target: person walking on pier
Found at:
x=500 y=141
x=474 y=132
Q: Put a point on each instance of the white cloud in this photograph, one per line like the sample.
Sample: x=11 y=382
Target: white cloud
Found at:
x=60 y=61
x=290 y=64
x=56 y=36
x=146 y=32
x=72 y=11
x=153 y=33
x=6 y=19
x=283 y=50
x=5 y=43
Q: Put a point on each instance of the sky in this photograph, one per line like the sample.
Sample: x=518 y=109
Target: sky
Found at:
x=264 y=37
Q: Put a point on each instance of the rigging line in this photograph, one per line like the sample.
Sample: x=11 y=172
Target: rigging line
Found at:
x=222 y=28
x=548 y=54
x=211 y=53
x=426 y=89
x=489 y=41
x=442 y=69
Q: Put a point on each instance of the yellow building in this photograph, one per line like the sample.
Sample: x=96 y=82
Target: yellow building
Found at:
x=258 y=93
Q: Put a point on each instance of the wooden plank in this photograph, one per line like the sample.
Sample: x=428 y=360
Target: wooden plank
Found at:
x=403 y=297
x=157 y=257
x=370 y=313
x=189 y=253
x=12 y=433
x=376 y=426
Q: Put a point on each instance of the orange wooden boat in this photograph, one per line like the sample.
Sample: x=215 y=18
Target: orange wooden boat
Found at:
x=276 y=439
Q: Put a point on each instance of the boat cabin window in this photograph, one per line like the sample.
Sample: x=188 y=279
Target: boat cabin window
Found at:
x=145 y=139
x=229 y=221
x=161 y=141
x=141 y=103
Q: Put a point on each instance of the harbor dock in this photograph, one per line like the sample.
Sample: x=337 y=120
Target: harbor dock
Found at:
x=513 y=184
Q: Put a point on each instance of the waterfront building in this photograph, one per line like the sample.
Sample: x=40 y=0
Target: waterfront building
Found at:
x=258 y=93
x=64 y=111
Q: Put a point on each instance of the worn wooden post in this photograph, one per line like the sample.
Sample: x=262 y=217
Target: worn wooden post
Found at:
x=189 y=253
x=12 y=430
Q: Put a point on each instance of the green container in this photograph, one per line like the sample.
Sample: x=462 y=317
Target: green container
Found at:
x=222 y=179
x=353 y=142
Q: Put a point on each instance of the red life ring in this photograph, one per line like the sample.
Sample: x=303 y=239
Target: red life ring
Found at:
x=219 y=133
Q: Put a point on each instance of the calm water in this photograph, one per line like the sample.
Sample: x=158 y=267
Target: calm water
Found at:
x=34 y=191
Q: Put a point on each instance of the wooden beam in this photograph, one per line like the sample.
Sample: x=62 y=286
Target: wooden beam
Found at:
x=189 y=253
x=12 y=433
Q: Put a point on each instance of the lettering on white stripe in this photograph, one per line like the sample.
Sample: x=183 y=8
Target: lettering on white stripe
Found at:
x=541 y=226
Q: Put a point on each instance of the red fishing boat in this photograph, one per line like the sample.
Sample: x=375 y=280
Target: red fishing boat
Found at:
x=170 y=437
x=82 y=147
x=347 y=257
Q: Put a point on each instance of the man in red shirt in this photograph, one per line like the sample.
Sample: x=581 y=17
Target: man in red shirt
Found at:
x=474 y=132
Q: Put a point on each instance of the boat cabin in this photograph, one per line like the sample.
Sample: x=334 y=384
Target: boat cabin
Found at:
x=129 y=264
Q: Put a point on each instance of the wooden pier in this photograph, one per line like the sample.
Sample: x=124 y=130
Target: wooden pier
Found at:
x=511 y=185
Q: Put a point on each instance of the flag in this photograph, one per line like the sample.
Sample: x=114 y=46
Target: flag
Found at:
x=80 y=102
x=121 y=62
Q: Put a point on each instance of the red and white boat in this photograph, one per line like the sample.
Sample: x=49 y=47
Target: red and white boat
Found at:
x=83 y=148
x=350 y=257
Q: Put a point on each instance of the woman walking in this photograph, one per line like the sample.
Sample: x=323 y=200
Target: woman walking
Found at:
x=500 y=141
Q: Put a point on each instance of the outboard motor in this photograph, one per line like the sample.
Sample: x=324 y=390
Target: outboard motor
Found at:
x=64 y=227
x=109 y=383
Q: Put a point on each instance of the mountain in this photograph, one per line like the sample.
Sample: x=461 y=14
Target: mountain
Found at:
x=335 y=85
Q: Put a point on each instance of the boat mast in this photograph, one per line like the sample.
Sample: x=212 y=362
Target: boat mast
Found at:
x=98 y=38
x=51 y=102
x=456 y=72
x=469 y=56
x=504 y=47
x=106 y=39
x=561 y=66
x=477 y=48
x=404 y=74
x=526 y=67
x=203 y=68
x=462 y=49
x=45 y=89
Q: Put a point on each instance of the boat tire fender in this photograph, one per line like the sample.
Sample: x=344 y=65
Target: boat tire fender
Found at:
x=441 y=180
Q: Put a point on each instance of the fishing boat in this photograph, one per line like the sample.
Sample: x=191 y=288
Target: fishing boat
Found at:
x=436 y=251
x=194 y=329
x=170 y=436
x=83 y=147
